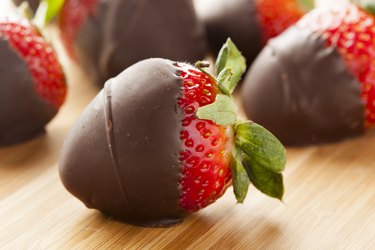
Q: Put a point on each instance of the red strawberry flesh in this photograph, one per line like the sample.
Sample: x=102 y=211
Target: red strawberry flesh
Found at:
x=206 y=171
x=275 y=16
x=39 y=57
x=352 y=31
x=72 y=16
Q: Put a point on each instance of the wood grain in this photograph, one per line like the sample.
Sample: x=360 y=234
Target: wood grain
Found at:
x=329 y=201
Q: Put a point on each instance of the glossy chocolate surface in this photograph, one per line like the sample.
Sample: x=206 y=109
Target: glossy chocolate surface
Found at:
x=33 y=3
x=122 y=155
x=23 y=113
x=123 y=32
x=302 y=91
x=236 y=19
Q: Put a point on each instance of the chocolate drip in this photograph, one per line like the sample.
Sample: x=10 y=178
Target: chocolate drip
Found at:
x=302 y=91
x=236 y=19
x=123 y=32
x=111 y=140
x=144 y=122
x=23 y=113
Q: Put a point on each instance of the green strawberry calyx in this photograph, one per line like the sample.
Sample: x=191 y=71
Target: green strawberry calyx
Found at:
x=258 y=157
x=367 y=5
x=47 y=10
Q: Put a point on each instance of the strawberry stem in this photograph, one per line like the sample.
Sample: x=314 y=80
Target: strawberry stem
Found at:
x=202 y=64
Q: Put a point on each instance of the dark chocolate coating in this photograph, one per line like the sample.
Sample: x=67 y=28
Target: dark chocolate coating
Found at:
x=122 y=154
x=123 y=32
x=23 y=113
x=302 y=91
x=236 y=19
x=33 y=3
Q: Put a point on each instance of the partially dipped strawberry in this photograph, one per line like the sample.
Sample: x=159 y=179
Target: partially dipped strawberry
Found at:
x=250 y=23
x=351 y=30
x=33 y=84
x=163 y=139
x=320 y=77
x=107 y=36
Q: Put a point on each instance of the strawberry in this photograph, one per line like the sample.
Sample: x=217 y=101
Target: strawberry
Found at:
x=275 y=16
x=40 y=58
x=250 y=23
x=105 y=37
x=72 y=16
x=174 y=143
x=34 y=84
x=325 y=60
x=351 y=31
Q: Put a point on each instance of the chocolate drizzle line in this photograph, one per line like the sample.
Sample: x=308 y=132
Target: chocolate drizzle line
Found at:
x=108 y=115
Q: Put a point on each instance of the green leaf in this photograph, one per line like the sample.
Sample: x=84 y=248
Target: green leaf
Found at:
x=54 y=7
x=261 y=146
x=367 y=5
x=224 y=81
x=240 y=178
x=47 y=10
x=265 y=180
x=223 y=111
x=230 y=57
x=307 y=4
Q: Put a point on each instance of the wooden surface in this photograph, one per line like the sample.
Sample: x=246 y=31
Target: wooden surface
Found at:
x=329 y=201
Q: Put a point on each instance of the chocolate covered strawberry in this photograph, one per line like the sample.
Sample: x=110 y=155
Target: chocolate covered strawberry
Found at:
x=107 y=36
x=33 y=84
x=163 y=139
x=318 y=78
x=250 y=23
